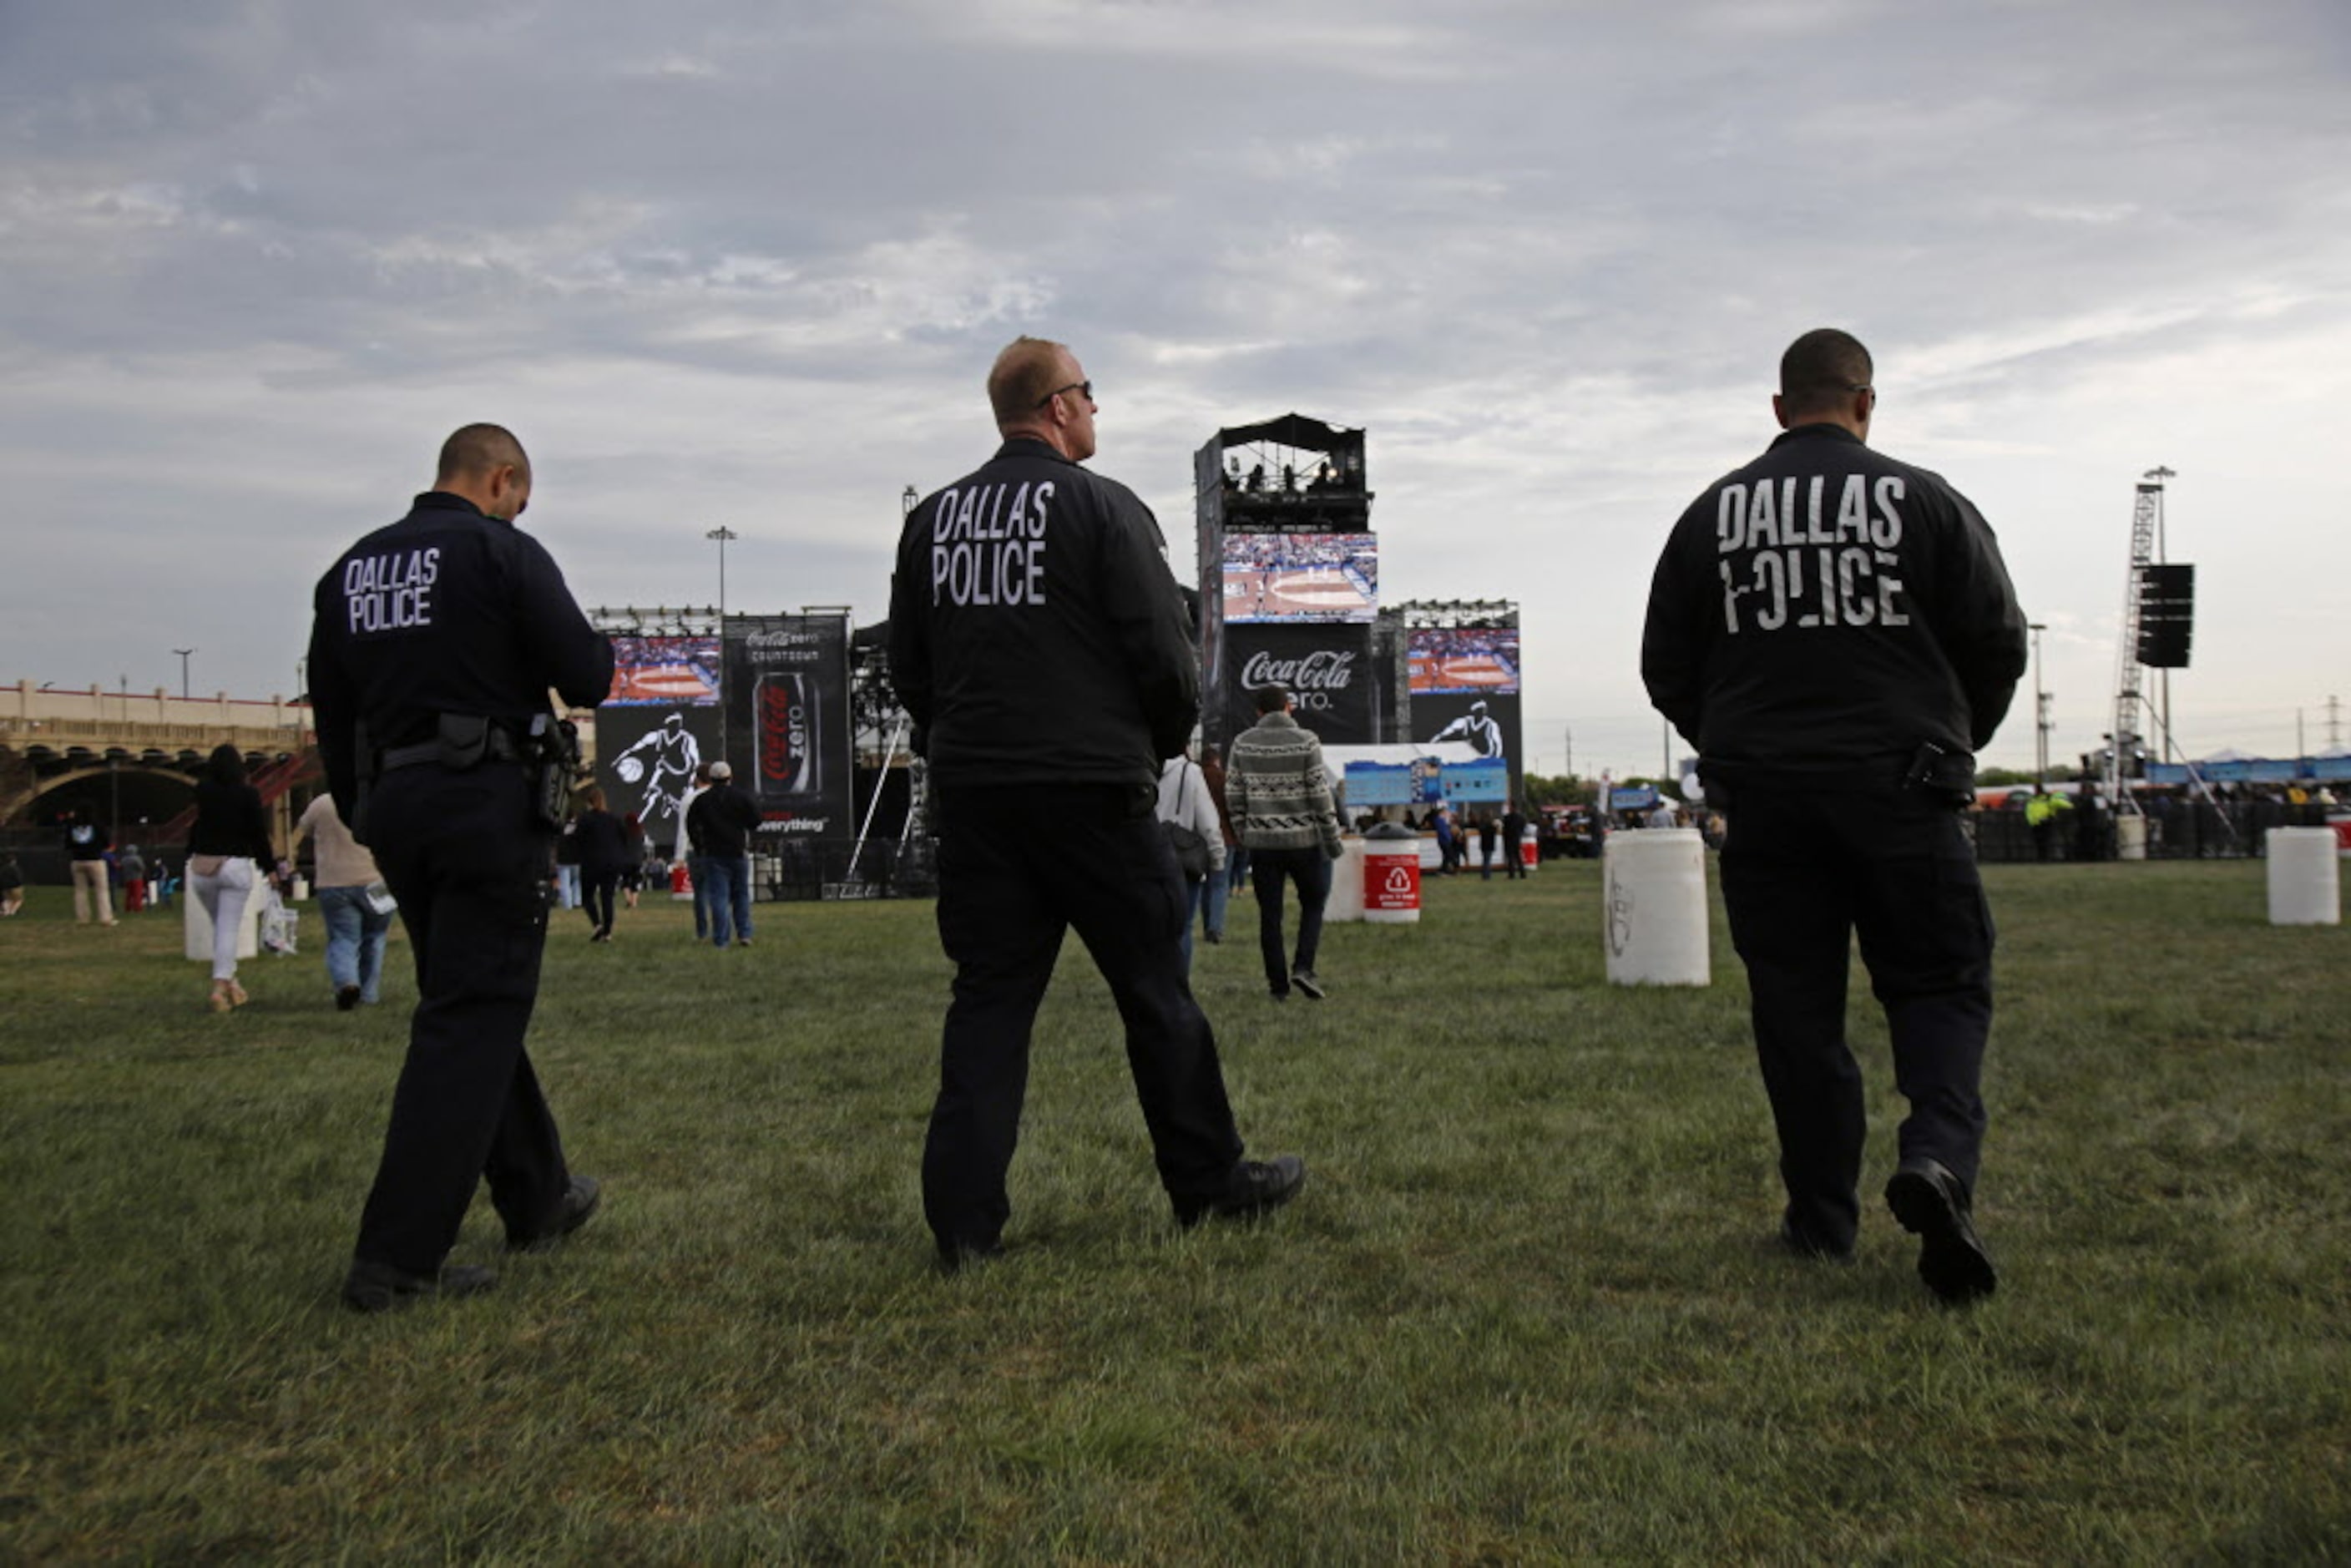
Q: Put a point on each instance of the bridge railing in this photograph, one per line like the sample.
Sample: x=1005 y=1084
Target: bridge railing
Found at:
x=141 y=734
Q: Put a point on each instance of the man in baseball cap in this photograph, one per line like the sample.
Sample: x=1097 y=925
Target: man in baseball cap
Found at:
x=718 y=824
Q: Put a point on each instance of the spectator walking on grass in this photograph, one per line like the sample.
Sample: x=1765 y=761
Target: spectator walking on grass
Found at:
x=353 y=902
x=12 y=885
x=720 y=822
x=85 y=844
x=228 y=845
x=1218 y=895
x=1281 y=799
x=1185 y=803
x=632 y=869
x=567 y=866
x=1514 y=837
x=1835 y=718
x=697 y=875
x=1044 y=650
x=603 y=841
x=133 y=868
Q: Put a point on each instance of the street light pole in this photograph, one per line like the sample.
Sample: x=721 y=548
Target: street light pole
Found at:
x=184 y=654
x=722 y=534
x=2040 y=709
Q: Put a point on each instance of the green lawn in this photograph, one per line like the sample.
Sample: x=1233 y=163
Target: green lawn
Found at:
x=1526 y=1309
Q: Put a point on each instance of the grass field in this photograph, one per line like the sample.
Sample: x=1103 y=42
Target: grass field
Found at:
x=1527 y=1309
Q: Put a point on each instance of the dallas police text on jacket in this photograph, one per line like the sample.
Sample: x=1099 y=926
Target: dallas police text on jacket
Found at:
x=983 y=554
x=388 y=591
x=1822 y=572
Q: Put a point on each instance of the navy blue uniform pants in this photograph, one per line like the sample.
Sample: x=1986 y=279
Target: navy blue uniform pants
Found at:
x=1018 y=868
x=1804 y=872
x=468 y=864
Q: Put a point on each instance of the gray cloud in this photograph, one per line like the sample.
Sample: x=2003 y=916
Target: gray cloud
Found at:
x=725 y=262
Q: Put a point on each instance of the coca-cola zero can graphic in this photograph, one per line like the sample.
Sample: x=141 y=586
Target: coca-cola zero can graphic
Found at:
x=790 y=767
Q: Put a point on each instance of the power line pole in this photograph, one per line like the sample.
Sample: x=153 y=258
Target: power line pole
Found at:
x=2040 y=710
x=721 y=534
x=184 y=654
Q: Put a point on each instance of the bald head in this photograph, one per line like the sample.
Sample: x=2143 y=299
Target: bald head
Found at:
x=1825 y=379
x=1024 y=375
x=485 y=463
x=1823 y=369
x=471 y=452
x=1039 y=390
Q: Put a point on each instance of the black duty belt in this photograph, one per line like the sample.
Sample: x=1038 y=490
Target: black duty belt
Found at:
x=499 y=747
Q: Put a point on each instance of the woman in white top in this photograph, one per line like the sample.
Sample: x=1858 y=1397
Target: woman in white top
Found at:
x=1184 y=802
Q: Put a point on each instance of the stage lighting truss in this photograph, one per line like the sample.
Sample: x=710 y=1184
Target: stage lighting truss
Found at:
x=660 y=621
x=1465 y=614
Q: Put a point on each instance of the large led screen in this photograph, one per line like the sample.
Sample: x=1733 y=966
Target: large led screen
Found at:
x=665 y=672
x=1482 y=659
x=1300 y=577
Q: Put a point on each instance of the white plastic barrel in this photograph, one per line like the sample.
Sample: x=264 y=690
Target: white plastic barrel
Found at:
x=1392 y=882
x=1346 y=881
x=2130 y=837
x=1654 y=904
x=2305 y=886
x=196 y=926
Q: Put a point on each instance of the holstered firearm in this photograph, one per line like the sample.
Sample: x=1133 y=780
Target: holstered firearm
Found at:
x=551 y=753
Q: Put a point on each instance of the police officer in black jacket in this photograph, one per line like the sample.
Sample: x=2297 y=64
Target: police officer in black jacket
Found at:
x=1040 y=643
x=1836 y=635
x=434 y=643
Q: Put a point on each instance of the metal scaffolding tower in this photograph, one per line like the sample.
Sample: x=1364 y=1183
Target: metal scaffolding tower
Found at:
x=2147 y=523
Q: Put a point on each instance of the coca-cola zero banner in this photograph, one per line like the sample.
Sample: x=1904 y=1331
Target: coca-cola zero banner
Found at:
x=787 y=718
x=1327 y=670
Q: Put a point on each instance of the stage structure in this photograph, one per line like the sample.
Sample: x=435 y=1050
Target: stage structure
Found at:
x=1462 y=684
x=894 y=853
x=783 y=683
x=1288 y=580
x=2158 y=613
x=660 y=720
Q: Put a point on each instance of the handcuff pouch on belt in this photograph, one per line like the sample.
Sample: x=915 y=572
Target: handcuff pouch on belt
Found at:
x=1941 y=774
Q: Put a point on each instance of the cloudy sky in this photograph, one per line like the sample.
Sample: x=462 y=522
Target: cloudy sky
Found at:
x=747 y=264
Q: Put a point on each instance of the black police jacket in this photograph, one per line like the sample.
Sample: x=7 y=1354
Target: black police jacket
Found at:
x=1827 y=606
x=446 y=611
x=1036 y=633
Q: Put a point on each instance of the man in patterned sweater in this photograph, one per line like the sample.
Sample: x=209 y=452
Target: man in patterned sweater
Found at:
x=1281 y=800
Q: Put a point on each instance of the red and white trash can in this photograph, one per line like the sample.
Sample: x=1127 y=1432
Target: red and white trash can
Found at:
x=1391 y=876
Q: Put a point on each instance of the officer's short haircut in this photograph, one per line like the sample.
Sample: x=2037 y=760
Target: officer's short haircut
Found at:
x=1272 y=699
x=1027 y=373
x=478 y=448
x=1822 y=369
